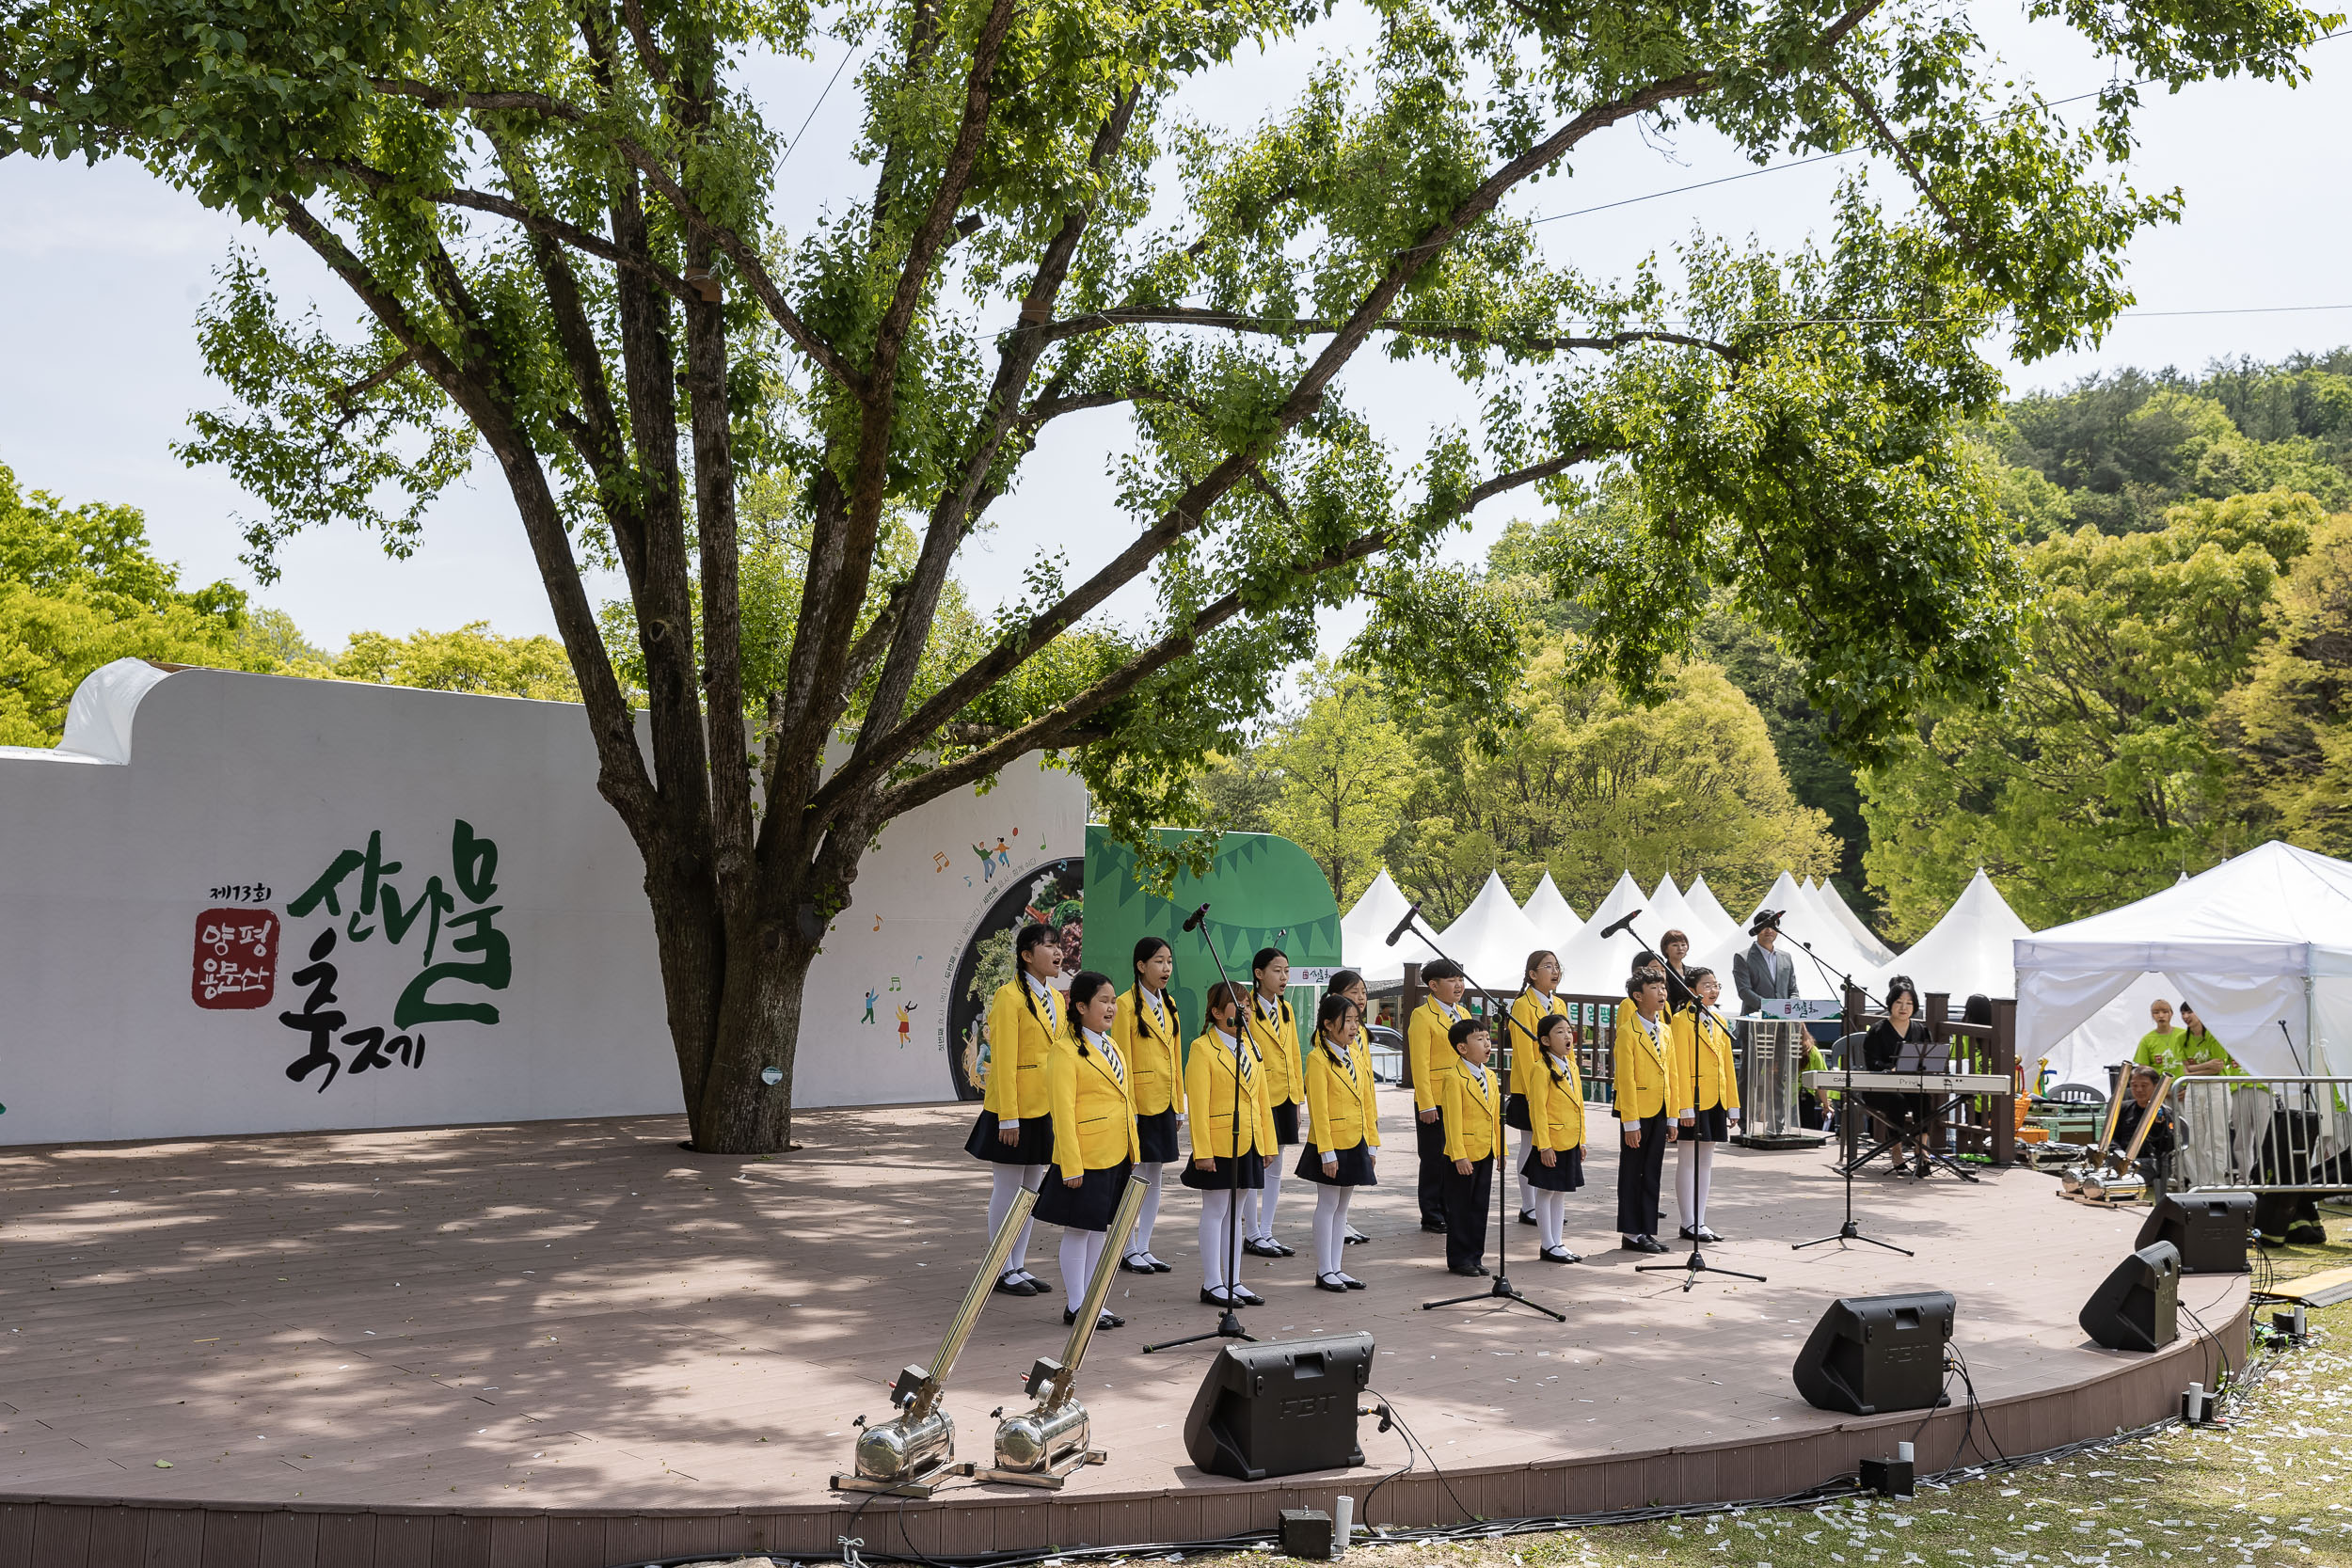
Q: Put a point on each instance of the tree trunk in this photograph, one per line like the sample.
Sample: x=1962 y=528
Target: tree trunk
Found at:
x=756 y=1025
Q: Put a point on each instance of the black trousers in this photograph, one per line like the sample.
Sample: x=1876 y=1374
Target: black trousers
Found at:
x=1639 y=1171
x=1466 y=1200
x=1429 y=1142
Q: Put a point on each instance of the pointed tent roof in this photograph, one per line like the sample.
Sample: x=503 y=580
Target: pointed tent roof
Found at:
x=1709 y=911
x=1492 y=939
x=1804 y=922
x=1865 y=938
x=1972 y=950
x=1590 y=965
x=1364 y=932
x=1550 y=912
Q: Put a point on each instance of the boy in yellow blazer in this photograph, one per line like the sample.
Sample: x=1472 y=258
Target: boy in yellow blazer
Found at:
x=1430 y=1060
x=1231 y=1131
x=1015 y=1132
x=1644 y=1087
x=1710 y=1095
x=1554 y=1166
x=1473 y=1136
x=1150 y=1037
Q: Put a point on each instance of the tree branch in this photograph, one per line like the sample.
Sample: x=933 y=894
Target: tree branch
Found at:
x=1316 y=326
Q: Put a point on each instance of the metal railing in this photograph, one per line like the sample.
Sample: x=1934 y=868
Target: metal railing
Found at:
x=2290 y=1134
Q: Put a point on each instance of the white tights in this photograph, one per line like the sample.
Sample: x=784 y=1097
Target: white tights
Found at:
x=1257 y=1204
x=1330 y=1227
x=1528 y=1194
x=1552 y=1213
x=1217 y=1264
x=1009 y=1179
x=1140 y=1241
x=1692 y=1166
x=1081 y=1250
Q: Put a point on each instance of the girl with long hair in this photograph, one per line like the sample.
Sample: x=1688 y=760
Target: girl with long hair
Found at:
x=1150 y=1036
x=1094 y=1137
x=1274 y=1032
x=1555 y=1112
x=1536 y=1001
x=1709 y=1093
x=1344 y=1123
x=1232 y=1130
x=1015 y=1130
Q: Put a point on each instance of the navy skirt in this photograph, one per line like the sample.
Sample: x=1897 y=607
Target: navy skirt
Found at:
x=1565 y=1177
x=1247 y=1171
x=1514 y=1112
x=1286 y=1123
x=1035 y=1148
x=1355 y=1168
x=1156 y=1134
x=1713 y=1127
x=1086 y=1207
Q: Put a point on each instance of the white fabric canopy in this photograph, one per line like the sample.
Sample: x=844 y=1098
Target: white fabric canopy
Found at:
x=1492 y=939
x=1710 y=924
x=2261 y=946
x=1802 y=921
x=1550 y=912
x=1971 y=951
x=1865 y=941
x=1364 y=931
x=1595 y=967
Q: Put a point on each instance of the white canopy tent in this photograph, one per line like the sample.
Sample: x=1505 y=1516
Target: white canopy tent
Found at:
x=1364 y=932
x=1971 y=951
x=1554 y=919
x=1811 y=921
x=1710 y=924
x=1802 y=921
x=2261 y=946
x=1593 y=966
x=1492 y=939
x=1865 y=938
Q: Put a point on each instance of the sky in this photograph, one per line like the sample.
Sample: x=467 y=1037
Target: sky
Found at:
x=103 y=269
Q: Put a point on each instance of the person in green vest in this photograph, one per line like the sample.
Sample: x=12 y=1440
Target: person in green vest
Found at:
x=2160 y=1048
x=1813 y=1110
x=2205 y=1114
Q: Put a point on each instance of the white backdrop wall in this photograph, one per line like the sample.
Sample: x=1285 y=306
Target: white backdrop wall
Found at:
x=120 y=879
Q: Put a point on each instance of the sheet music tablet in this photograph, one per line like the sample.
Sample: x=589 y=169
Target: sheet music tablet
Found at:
x=1924 y=1056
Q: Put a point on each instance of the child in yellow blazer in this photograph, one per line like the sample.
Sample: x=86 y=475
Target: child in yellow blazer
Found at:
x=1708 y=1093
x=1430 y=1059
x=1273 y=1030
x=1015 y=1130
x=1536 y=1001
x=1473 y=1136
x=1345 y=1123
x=1644 y=1087
x=1225 y=1113
x=1555 y=1114
x=1094 y=1137
x=1151 y=1037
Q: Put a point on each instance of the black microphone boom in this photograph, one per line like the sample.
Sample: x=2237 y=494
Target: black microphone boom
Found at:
x=1405 y=924
x=1192 y=921
x=1611 y=931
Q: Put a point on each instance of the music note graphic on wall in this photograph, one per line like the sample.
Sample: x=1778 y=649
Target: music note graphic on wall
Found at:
x=878 y=923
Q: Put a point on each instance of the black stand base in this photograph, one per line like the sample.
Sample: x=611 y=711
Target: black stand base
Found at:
x=1691 y=1267
x=1501 y=1290
x=1228 y=1327
x=1850 y=1232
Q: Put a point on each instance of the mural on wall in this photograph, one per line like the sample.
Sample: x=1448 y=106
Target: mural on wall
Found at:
x=434 y=918
x=1052 y=895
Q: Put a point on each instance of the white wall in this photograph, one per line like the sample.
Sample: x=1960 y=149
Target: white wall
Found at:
x=254 y=785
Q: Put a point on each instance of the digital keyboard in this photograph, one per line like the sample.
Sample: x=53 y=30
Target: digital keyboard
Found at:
x=1912 y=1082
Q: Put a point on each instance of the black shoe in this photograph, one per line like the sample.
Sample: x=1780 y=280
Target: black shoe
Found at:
x=1011 y=1285
x=1280 y=1250
x=1108 y=1319
x=1212 y=1298
x=1436 y=1227
x=1527 y=1216
x=1700 y=1234
x=1266 y=1249
x=1559 y=1255
x=1468 y=1271
x=2307 y=1234
x=1247 y=1297
x=1353 y=1283
x=1354 y=1237
x=1331 y=1282
x=1642 y=1244
x=1158 y=1267
x=1133 y=1263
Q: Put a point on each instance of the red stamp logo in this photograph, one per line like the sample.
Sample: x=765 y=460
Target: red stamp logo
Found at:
x=236 y=959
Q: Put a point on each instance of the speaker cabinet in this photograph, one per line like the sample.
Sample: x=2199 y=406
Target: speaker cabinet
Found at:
x=2208 y=1230
x=2138 y=1306
x=1873 y=1354
x=1280 y=1407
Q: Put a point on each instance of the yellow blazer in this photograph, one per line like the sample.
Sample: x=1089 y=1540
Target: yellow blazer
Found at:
x=1155 y=1072
x=1555 y=1104
x=1341 y=1109
x=1020 y=1042
x=1701 y=1047
x=1642 y=1073
x=1211 y=1088
x=1094 y=1115
x=1474 y=1116
x=1525 y=1014
x=1429 y=1053
x=1279 y=1041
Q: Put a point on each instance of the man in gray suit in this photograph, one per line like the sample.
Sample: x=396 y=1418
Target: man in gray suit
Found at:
x=1762 y=971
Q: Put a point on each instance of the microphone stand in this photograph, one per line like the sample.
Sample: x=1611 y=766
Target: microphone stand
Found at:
x=1697 y=1263
x=1228 y=1325
x=1501 y=1290
x=1847 y=1230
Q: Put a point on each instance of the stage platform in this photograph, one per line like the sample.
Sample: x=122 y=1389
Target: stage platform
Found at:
x=574 y=1345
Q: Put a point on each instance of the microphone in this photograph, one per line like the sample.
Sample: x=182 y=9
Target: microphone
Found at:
x=1611 y=931
x=1404 y=924
x=1192 y=921
x=1766 y=920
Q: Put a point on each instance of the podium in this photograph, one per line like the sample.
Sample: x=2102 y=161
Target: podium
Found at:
x=1771 y=1072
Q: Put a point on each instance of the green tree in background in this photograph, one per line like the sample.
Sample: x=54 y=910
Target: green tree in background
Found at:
x=471 y=659
x=80 y=587
x=2290 y=723
x=1345 y=773
x=2097 y=777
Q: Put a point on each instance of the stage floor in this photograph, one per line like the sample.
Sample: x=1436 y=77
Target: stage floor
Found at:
x=581 y=1318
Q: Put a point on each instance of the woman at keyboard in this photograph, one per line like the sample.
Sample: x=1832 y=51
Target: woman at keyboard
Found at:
x=1883 y=1051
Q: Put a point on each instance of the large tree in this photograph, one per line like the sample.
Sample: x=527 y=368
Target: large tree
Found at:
x=571 y=239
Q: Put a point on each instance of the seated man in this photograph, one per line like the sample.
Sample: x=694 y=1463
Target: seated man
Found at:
x=2156 y=1149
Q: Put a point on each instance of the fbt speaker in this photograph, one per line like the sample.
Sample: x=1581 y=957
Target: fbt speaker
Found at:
x=2208 y=1230
x=1871 y=1353
x=1280 y=1407
x=2138 y=1306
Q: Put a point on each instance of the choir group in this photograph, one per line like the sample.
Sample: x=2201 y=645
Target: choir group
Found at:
x=1087 y=1086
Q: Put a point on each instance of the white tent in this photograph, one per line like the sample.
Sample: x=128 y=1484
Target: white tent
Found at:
x=1364 y=933
x=1865 y=938
x=1588 y=964
x=1810 y=921
x=2261 y=946
x=1492 y=939
x=1970 y=951
x=2106 y=1037
x=1802 y=921
x=1550 y=912
x=1711 y=923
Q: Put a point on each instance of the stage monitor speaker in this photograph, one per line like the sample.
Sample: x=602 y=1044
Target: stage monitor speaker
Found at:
x=2208 y=1228
x=2138 y=1306
x=1874 y=1354
x=1279 y=1407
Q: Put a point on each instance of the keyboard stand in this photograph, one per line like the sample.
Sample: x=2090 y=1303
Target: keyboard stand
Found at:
x=1917 y=1129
